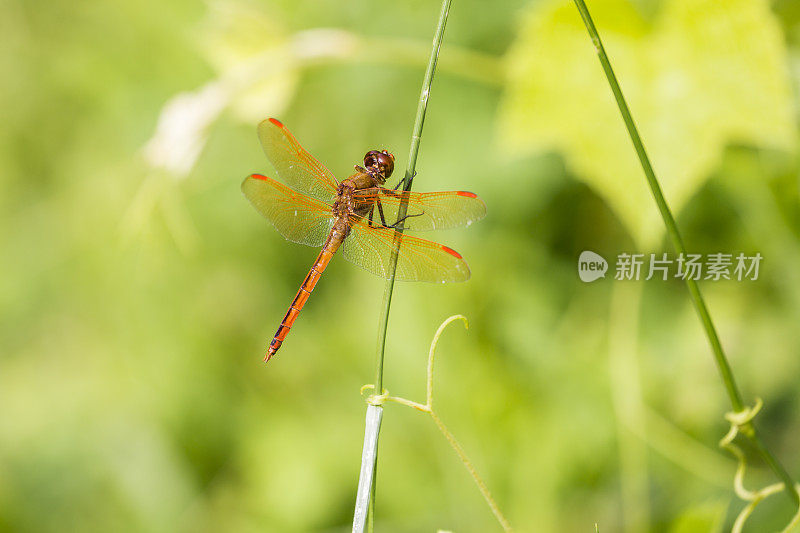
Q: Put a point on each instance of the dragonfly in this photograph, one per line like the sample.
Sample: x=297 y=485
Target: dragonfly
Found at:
x=357 y=214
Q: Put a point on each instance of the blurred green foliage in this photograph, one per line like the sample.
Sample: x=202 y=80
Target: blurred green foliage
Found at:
x=683 y=73
x=139 y=288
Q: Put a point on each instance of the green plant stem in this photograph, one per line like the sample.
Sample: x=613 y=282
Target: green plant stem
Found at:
x=362 y=516
x=674 y=235
x=408 y=179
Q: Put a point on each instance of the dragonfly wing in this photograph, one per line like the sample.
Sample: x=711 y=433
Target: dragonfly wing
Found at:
x=296 y=216
x=370 y=247
x=426 y=211
x=295 y=166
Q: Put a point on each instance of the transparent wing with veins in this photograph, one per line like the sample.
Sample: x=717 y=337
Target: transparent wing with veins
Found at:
x=426 y=211
x=370 y=247
x=297 y=217
x=295 y=166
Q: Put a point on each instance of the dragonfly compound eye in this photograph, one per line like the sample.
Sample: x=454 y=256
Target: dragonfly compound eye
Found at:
x=382 y=161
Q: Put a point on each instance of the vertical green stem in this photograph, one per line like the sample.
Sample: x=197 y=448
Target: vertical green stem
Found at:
x=408 y=179
x=416 y=135
x=674 y=235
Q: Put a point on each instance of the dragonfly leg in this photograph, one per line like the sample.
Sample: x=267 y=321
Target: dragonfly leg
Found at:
x=394 y=226
x=380 y=212
x=369 y=218
x=402 y=180
x=383 y=218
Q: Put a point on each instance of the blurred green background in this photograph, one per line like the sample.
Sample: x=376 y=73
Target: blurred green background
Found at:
x=139 y=289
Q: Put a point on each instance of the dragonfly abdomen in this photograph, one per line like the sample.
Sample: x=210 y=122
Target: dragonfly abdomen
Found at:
x=302 y=295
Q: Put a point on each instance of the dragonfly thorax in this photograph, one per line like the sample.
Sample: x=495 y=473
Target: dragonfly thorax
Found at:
x=343 y=203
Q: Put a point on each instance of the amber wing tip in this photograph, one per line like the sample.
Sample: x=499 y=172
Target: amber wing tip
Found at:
x=276 y=122
x=451 y=252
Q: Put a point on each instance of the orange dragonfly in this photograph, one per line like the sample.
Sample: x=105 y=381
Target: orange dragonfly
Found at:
x=357 y=214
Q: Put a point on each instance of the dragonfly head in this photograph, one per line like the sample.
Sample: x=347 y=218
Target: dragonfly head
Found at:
x=380 y=161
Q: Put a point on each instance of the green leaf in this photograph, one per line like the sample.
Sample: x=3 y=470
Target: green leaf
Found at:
x=700 y=75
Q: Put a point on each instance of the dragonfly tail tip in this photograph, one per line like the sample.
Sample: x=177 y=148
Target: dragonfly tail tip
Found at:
x=270 y=352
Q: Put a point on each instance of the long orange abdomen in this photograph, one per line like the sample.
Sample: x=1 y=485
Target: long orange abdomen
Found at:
x=301 y=298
